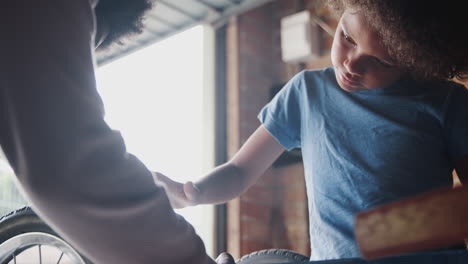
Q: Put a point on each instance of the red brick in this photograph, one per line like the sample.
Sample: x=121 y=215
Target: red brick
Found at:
x=259 y=196
x=274 y=211
x=249 y=246
x=294 y=195
x=255 y=230
x=291 y=176
x=301 y=246
x=297 y=212
x=255 y=211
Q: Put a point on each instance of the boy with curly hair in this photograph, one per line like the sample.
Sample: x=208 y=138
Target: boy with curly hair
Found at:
x=384 y=123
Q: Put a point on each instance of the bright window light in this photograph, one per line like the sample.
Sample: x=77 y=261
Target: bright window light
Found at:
x=154 y=97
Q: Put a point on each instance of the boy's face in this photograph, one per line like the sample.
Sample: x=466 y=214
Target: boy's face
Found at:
x=359 y=58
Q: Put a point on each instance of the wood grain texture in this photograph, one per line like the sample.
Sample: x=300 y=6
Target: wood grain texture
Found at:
x=432 y=220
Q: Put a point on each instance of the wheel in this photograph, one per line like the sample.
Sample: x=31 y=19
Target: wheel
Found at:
x=270 y=256
x=25 y=238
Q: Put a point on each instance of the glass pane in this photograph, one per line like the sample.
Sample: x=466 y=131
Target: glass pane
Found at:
x=10 y=197
x=154 y=97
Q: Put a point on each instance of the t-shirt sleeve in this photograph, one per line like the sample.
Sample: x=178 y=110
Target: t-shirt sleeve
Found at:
x=282 y=115
x=72 y=167
x=456 y=123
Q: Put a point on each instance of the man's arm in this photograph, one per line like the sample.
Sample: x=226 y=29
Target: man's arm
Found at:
x=72 y=167
x=461 y=167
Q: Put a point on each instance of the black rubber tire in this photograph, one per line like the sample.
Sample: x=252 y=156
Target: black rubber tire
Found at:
x=270 y=256
x=24 y=221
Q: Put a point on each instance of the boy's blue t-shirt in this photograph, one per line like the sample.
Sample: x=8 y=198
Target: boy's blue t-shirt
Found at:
x=362 y=149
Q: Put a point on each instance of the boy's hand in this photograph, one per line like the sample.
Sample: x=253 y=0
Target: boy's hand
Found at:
x=180 y=195
x=225 y=258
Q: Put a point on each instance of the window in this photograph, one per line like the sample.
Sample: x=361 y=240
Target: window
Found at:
x=157 y=97
x=10 y=197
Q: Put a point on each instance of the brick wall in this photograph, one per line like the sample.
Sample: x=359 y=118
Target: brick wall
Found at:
x=272 y=213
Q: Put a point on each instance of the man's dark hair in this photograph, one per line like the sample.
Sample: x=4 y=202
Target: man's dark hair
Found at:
x=429 y=38
x=124 y=18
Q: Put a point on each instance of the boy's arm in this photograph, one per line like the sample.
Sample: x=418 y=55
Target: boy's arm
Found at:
x=248 y=164
x=231 y=179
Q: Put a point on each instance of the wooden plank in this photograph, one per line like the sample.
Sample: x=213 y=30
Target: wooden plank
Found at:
x=432 y=220
x=233 y=130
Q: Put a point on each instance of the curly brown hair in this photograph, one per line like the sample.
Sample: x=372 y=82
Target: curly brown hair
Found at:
x=125 y=18
x=428 y=38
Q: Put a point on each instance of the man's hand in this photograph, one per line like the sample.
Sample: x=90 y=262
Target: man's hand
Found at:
x=225 y=258
x=180 y=195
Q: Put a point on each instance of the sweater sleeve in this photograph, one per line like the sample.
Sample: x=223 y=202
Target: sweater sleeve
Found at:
x=72 y=167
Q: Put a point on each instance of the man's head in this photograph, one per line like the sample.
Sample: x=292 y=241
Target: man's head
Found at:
x=118 y=19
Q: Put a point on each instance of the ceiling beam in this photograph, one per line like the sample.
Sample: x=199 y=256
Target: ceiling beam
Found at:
x=179 y=10
x=210 y=7
x=163 y=21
